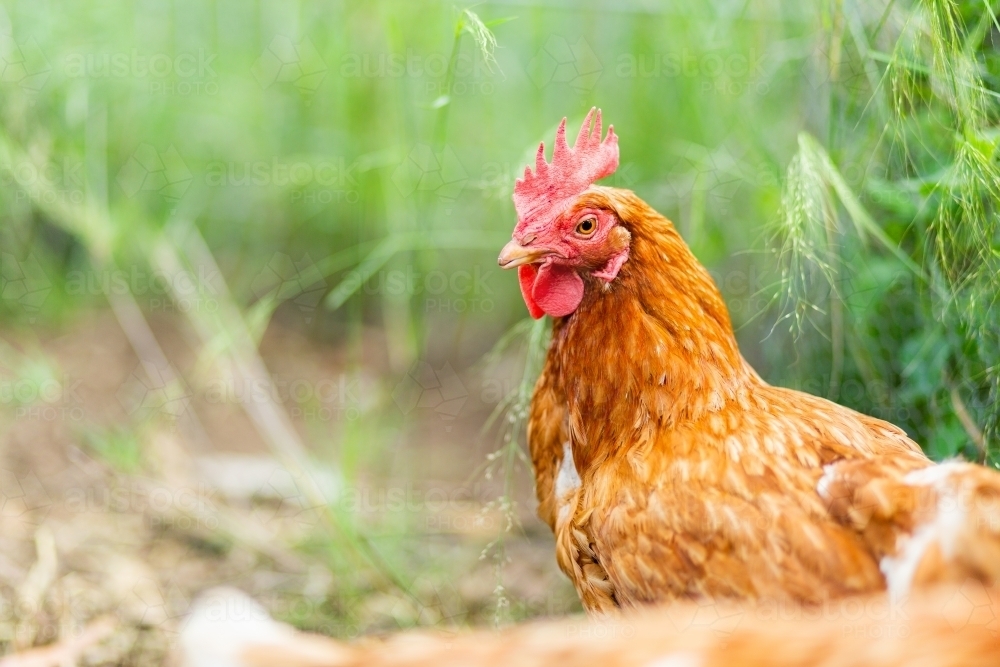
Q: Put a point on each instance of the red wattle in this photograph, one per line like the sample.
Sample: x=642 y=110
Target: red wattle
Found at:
x=550 y=289
x=526 y=274
x=558 y=290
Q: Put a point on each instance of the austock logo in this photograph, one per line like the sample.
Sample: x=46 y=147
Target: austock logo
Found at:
x=23 y=281
x=721 y=617
x=148 y=603
x=497 y=178
x=560 y=62
x=23 y=498
x=714 y=175
x=285 y=505
x=470 y=74
x=423 y=387
x=973 y=605
x=184 y=291
x=729 y=9
x=148 y=170
x=828 y=67
x=873 y=617
x=286 y=279
x=150 y=391
x=182 y=507
x=451 y=509
x=22 y=64
x=323 y=181
x=166 y=74
x=331 y=398
x=43 y=398
x=747 y=292
x=457 y=291
x=45 y=182
x=720 y=71
x=423 y=170
x=284 y=61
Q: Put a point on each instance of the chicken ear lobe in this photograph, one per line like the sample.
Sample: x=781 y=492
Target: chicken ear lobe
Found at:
x=619 y=239
x=611 y=269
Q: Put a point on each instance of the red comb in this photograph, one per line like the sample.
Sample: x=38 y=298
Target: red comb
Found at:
x=571 y=171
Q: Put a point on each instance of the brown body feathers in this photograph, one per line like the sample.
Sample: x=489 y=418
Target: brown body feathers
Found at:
x=668 y=469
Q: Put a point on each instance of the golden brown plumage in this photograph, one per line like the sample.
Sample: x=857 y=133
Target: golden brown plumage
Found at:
x=668 y=469
x=942 y=627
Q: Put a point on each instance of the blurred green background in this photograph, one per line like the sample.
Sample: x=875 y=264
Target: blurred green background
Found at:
x=235 y=233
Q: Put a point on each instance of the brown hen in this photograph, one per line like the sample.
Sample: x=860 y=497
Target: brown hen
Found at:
x=667 y=467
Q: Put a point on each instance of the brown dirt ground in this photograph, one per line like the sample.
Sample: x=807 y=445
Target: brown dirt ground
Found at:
x=107 y=511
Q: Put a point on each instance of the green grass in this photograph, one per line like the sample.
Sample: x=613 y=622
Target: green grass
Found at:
x=120 y=449
x=926 y=212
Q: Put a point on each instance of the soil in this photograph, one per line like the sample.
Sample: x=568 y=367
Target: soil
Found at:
x=124 y=494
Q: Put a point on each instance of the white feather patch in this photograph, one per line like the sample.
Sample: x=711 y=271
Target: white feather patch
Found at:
x=823 y=485
x=679 y=659
x=223 y=623
x=567 y=481
x=900 y=569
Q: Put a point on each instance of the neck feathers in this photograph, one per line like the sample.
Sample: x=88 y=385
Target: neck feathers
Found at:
x=655 y=348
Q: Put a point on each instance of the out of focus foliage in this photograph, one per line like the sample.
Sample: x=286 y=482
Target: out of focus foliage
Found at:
x=888 y=233
x=349 y=165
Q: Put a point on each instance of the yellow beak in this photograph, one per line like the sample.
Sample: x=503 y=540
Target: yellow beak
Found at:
x=515 y=254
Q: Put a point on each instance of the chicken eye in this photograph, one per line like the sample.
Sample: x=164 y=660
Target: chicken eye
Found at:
x=586 y=227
